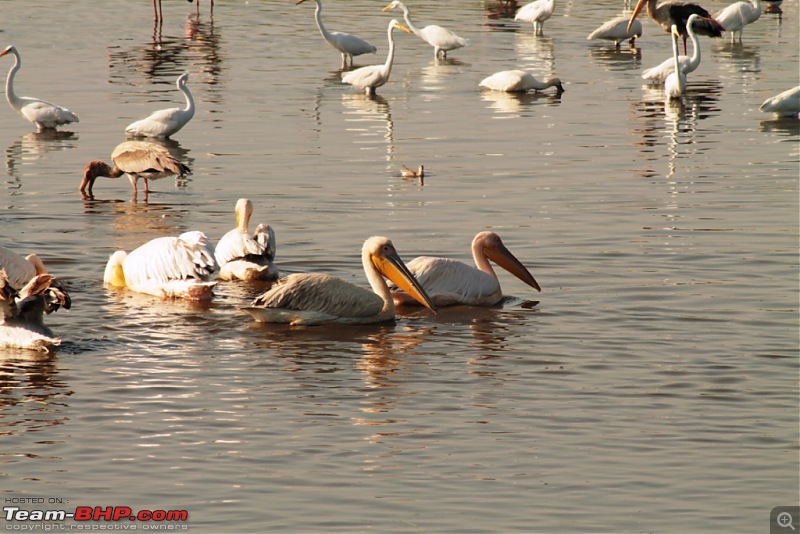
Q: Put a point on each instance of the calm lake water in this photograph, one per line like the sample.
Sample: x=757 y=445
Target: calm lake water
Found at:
x=653 y=388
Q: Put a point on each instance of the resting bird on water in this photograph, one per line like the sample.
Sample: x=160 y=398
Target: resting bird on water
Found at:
x=245 y=256
x=44 y=115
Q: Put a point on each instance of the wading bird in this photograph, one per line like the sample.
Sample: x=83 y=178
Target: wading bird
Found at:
x=168 y=267
x=617 y=30
x=451 y=282
x=245 y=256
x=348 y=45
x=137 y=159
x=44 y=115
x=668 y=13
x=165 y=122
x=536 y=13
x=688 y=64
x=736 y=16
x=675 y=84
x=441 y=39
x=310 y=299
x=517 y=81
x=373 y=76
x=785 y=104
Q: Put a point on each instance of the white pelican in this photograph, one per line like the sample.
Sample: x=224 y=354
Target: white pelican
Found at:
x=736 y=16
x=43 y=114
x=21 y=314
x=441 y=39
x=407 y=172
x=169 y=267
x=348 y=45
x=675 y=84
x=137 y=159
x=688 y=64
x=20 y=271
x=165 y=122
x=516 y=81
x=245 y=256
x=536 y=13
x=785 y=104
x=373 y=76
x=451 y=282
x=617 y=30
x=310 y=299
x=675 y=13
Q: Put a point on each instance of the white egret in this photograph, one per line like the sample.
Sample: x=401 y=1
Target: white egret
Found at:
x=738 y=15
x=785 y=104
x=451 y=282
x=441 y=39
x=137 y=159
x=348 y=45
x=373 y=76
x=671 y=12
x=536 y=13
x=165 y=122
x=675 y=84
x=168 y=267
x=617 y=30
x=245 y=256
x=44 y=115
x=688 y=64
x=310 y=299
x=518 y=81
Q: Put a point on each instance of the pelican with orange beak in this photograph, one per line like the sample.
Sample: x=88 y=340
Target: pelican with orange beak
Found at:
x=313 y=299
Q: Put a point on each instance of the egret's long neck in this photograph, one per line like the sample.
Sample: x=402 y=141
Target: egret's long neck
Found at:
x=322 y=29
x=411 y=26
x=189 y=99
x=694 y=60
x=377 y=283
x=681 y=79
x=387 y=67
x=481 y=261
x=13 y=99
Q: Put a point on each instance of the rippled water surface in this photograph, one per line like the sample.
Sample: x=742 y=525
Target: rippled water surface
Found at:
x=652 y=386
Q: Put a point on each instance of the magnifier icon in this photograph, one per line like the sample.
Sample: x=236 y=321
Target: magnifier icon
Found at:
x=785 y=520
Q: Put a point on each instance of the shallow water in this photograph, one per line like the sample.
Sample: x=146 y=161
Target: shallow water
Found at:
x=653 y=388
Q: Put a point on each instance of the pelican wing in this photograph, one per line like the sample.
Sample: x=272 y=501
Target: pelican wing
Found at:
x=18 y=269
x=450 y=281
x=239 y=244
x=164 y=259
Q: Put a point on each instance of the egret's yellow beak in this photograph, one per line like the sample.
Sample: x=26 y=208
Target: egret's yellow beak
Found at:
x=393 y=268
x=403 y=28
x=387 y=8
x=505 y=259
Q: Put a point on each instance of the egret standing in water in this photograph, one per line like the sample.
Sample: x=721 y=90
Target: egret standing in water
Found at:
x=675 y=84
x=441 y=39
x=44 y=115
x=536 y=13
x=688 y=64
x=373 y=76
x=165 y=122
x=736 y=16
x=348 y=45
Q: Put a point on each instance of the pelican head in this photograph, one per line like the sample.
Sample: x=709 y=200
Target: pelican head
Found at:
x=92 y=170
x=114 y=274
x=243 y=209
x=493 y=248
x=380 y=252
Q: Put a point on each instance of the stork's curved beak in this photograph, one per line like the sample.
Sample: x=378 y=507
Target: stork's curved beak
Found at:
x=636 y=11
x=393 y=268
x=505 y=259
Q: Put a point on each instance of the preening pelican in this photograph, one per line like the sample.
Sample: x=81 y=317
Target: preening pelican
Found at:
x=675 y=84
x=245 y=256
x=736 y=16
x=348 y=45
x=668 y=13
x=536 y=13
x=373 y=76
x=310 y=299
x=165 y=122
x=617 y=30
x=450 y=282
x=517 y=81
x=688 y=64
x=441 y=39
x=137 y=159
x=785 y=104
x=169 y=267
x=407 y=172
x=44 y=115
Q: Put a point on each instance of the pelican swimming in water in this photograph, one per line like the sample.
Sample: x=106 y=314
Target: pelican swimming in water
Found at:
x=348 y=45
x=675 y=84
x=373 y=76
x=675 y=13
x=137 y=159
x=245 y=256
x=617 y=30
x=688 y=64
x=44 y=115
x=163 y=123
x=311 y=299
x=451 y=282
x=518 y=81
x=441 y=39
x=168 y=267
x=536 y=13
x=785 y=104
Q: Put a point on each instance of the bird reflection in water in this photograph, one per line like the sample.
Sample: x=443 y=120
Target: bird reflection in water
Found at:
x=369 y=118
x=516 y=105
x=33 y=146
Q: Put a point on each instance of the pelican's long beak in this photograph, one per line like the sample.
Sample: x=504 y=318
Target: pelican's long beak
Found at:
x=387 y=8
x=505 y=259
x=636 y=11
x=393 y=268
x=399 y=25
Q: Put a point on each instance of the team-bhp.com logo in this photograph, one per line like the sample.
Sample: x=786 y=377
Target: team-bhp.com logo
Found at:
x=95 y=513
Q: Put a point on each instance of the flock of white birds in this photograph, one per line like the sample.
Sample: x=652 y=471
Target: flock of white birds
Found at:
x=183 y=266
